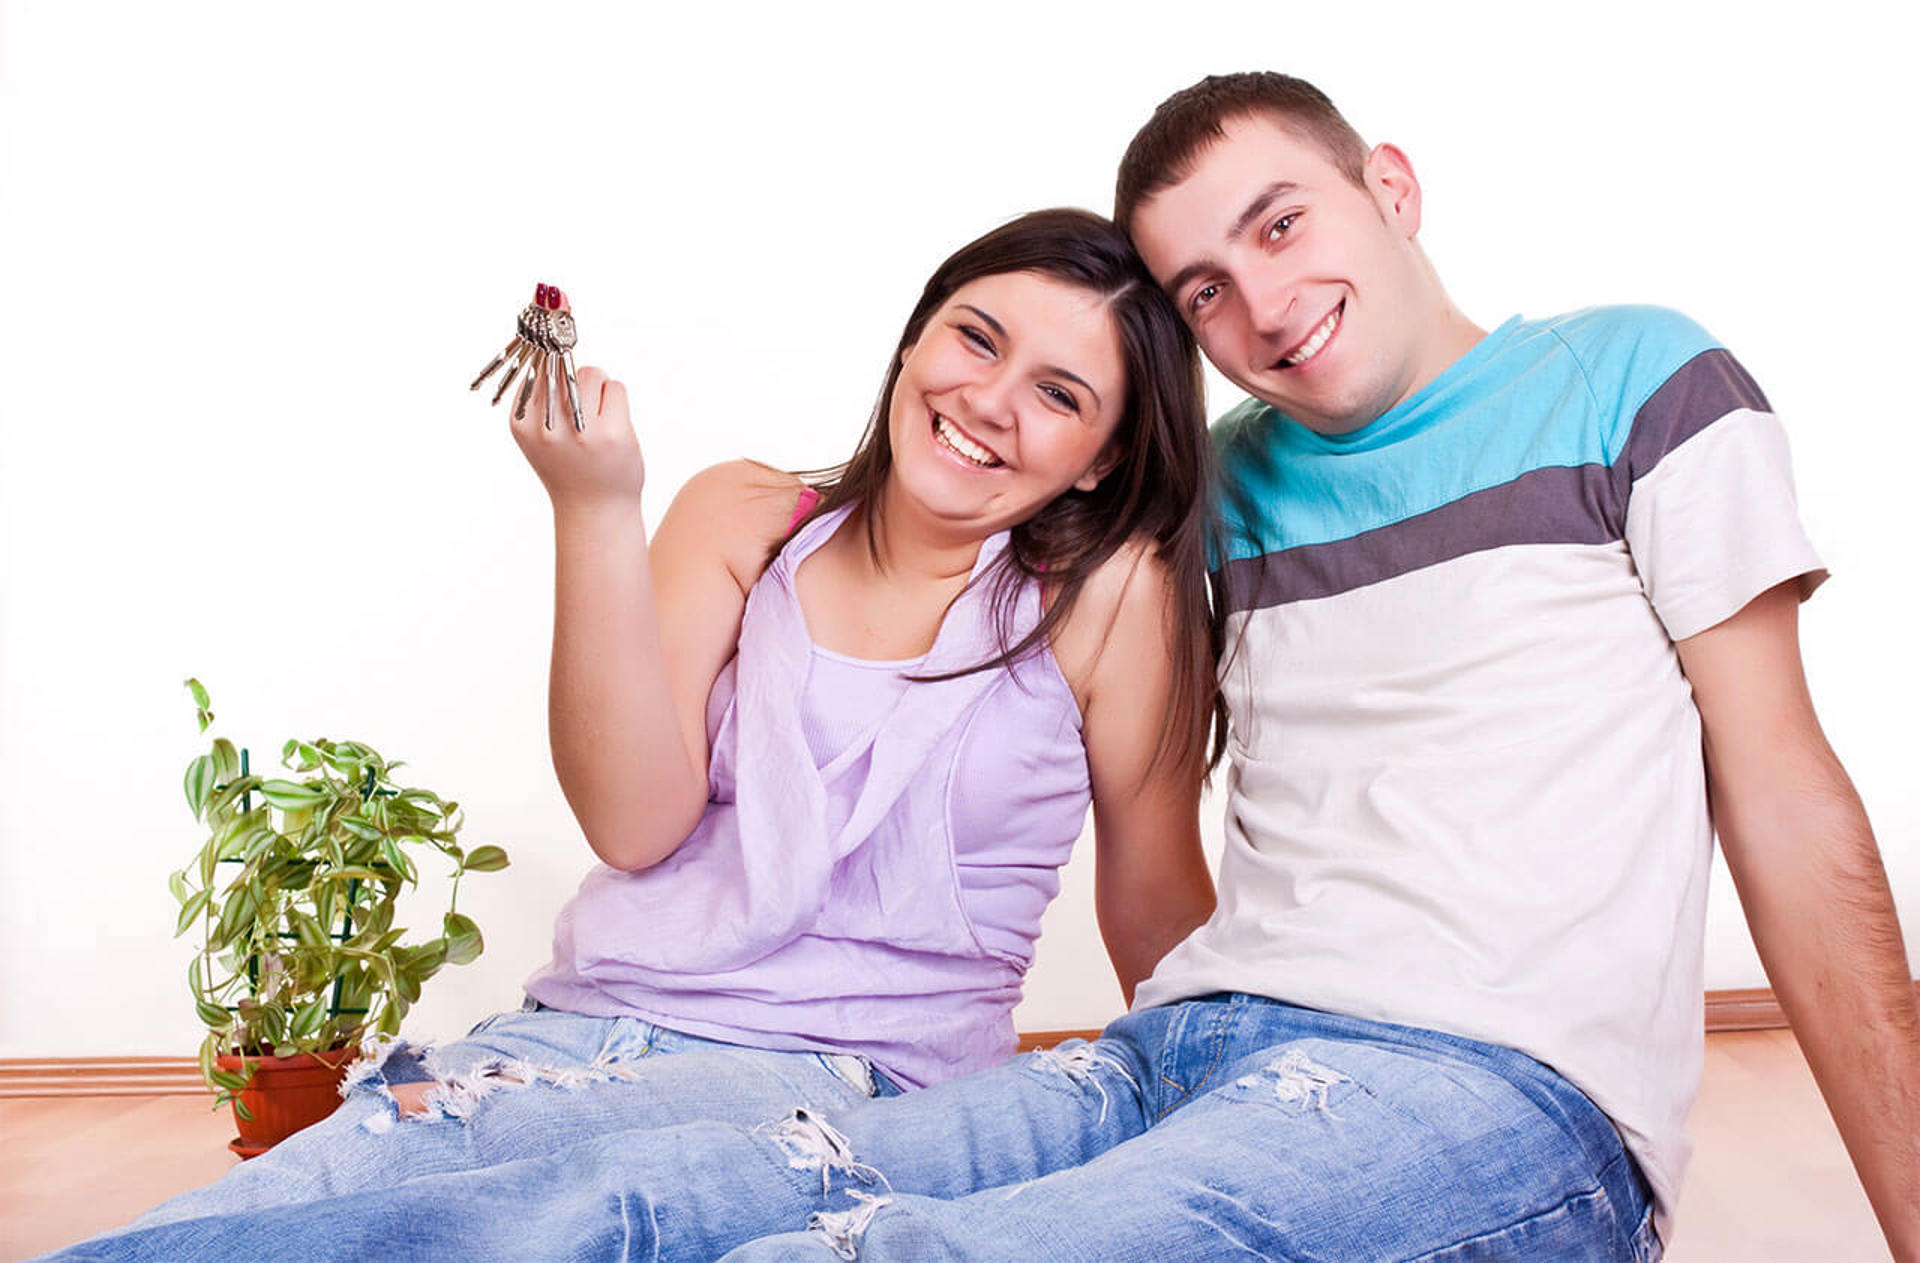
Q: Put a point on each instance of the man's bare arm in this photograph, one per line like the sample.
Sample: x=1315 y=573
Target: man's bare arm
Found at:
x=1808 y=870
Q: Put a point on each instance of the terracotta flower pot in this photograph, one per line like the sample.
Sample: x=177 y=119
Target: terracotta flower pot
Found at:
x=286 y=1094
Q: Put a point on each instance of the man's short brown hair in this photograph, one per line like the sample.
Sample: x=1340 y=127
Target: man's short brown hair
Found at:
x=1163 y=152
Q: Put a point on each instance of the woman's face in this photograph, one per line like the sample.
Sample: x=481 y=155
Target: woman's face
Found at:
x=1009 y=397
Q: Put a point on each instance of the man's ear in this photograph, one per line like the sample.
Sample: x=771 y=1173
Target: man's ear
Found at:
x=1109 y=461
x=1395 y=189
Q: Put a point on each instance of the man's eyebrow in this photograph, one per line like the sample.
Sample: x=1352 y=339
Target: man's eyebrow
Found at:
x=1258 y=206
x=1178 y=281
x=1261 y=202
x=1055 y=369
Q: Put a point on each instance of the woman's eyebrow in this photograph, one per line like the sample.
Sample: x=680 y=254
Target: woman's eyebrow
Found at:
x=1054 y=369
x=992 y=324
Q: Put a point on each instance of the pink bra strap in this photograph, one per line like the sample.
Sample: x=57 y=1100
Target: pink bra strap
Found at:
x=808 y=498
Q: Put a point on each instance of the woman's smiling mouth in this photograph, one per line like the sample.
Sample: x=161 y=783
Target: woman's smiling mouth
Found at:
x=951 y=437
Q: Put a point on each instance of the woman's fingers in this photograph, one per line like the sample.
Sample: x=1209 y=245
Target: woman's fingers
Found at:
x=613 y=403
x=599 y=463
x=592 y=382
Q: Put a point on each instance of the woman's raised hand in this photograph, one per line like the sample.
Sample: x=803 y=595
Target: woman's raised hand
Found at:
x=598 y=466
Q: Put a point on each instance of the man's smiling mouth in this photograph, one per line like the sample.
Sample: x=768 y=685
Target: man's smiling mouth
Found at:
x=1314 y=341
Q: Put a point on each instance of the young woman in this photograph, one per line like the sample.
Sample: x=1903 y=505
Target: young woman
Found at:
x=832 y=743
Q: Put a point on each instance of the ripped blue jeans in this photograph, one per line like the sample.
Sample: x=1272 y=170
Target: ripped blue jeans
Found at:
x=520 y=1084
x=1231 y=1127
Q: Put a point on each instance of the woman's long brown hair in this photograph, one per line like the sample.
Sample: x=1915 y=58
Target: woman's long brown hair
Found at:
x=1161 y=490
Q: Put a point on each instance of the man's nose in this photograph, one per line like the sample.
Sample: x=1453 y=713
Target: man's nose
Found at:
x=1270 y=298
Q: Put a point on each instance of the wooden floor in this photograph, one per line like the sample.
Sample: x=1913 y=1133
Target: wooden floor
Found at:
x=1770 y=1181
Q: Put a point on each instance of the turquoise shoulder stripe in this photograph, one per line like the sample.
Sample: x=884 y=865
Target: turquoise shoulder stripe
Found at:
x=1532 y=395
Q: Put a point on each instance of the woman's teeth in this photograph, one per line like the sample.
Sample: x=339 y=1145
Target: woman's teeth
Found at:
x=1317 y=339
x=961 y=444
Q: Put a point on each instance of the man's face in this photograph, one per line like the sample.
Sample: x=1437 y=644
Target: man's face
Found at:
x=1302 y=288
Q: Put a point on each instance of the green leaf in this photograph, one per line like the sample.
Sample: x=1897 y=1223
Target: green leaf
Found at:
x=270 y=1021
x=190 y=911
x=234 y=917
x=308 y=930
x=345 y=871
x=485 y=859
x=291 y=795
x=256 y=840
x=199 y=783
x=228 y=839
x=240 y=1108
x=398 y=860
x=360 y=827
x=212 y=1014
x=193 y=975
x=226 y=759
x=229 y=796
x=464 y=943
x=381 y=918
x=199 y=692
x=231 y=1080
x=307 y=1020
x=208 y=1050
x=177 y=883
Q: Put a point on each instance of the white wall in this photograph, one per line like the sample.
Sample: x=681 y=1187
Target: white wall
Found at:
x=250 y=256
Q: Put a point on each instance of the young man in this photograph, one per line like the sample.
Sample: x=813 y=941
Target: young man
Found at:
x=1490 y=593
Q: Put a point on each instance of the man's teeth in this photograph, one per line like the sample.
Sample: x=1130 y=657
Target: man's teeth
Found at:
x=960 y=443
x=1311 y=347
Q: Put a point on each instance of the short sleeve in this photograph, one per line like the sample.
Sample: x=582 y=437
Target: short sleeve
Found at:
x=1711 y=520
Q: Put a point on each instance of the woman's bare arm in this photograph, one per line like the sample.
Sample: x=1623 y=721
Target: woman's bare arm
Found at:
x=641 y=629
x=1151 y=884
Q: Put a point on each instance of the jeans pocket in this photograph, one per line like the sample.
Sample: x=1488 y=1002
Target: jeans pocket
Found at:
x=488 y=1021
x=1646 y=1242
x=528 y=1005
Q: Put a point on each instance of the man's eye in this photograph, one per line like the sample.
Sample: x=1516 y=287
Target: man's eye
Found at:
x=1282 y=225
x=1202 y=296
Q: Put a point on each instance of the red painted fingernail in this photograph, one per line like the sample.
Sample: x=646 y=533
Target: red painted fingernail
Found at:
x=559 y=300
x=540 y=298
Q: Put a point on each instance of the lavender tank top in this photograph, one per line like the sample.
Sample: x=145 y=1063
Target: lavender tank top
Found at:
x=878 y=893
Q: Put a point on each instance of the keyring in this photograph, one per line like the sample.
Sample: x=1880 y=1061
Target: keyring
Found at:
x=543 y=345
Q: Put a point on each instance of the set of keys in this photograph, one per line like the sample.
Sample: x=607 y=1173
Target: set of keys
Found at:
x=543 y=346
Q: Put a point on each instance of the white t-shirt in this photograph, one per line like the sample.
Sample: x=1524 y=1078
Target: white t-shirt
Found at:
x=1466 y=789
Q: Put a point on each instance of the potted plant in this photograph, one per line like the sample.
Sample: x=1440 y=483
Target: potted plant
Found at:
x=294 y=892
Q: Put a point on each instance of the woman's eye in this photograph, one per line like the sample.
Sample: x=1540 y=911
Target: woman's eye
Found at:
x=976 y=337
x=1282 y=226
x=1064 y=398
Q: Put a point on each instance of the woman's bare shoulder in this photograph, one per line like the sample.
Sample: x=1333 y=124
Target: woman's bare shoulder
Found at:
x=740 y=509
x=1127 y=595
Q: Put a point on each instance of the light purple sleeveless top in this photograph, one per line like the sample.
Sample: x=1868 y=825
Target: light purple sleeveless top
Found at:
x=874 y=858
